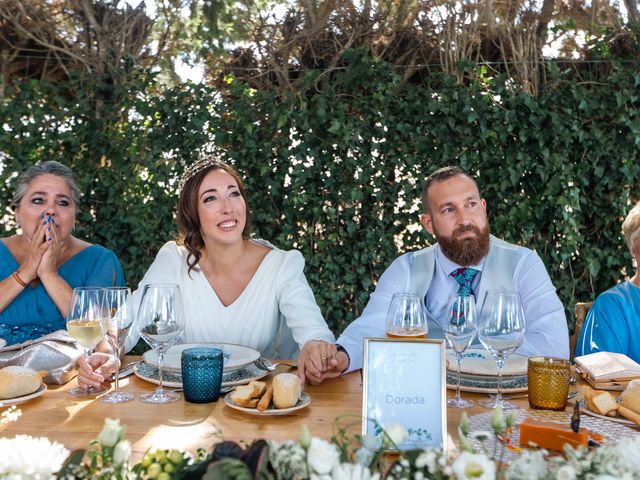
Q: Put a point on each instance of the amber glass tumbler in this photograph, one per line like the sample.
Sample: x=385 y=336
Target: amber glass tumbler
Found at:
x=548 y=379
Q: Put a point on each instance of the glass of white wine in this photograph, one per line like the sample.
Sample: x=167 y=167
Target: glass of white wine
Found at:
x=160 y=324
x=87 y=322
x=119 y=309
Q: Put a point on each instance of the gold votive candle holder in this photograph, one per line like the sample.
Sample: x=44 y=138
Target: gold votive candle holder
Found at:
x=548 y=379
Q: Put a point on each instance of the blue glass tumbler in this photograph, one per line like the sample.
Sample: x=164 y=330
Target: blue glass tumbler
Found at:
x=202 y=374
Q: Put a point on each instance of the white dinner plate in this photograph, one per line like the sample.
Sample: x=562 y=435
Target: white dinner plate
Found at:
x=24 y=398
x=239 y=376
x=479 y=362
x=304 y=402
x=236 y=356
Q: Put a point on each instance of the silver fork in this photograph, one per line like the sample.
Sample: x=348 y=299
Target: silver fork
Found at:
x=265 y=364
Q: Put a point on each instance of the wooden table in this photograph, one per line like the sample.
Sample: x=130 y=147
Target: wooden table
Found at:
x=76 y=421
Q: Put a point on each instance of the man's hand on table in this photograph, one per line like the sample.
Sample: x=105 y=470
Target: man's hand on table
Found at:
x=334 y=367
x=314 y=360
x=94 y=371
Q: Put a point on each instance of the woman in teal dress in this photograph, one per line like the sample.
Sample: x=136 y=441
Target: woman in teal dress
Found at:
x=40 y=266
x=613 y=322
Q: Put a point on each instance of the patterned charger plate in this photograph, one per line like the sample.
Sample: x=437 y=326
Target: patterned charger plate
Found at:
x=482 y=422
x=483 y=384
x=171 y=379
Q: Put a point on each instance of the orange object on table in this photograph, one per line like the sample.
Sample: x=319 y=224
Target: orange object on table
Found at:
x=549 y=435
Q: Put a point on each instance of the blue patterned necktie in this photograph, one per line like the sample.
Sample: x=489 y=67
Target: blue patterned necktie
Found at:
x=464 y=276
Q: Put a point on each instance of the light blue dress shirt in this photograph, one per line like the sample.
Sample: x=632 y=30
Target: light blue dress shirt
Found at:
x=546 y=324
x=613 y=323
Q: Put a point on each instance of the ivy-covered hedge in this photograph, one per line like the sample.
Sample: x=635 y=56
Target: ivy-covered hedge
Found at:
x=336 y=169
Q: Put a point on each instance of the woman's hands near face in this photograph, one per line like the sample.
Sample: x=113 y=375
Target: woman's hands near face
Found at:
x=38 y=246
x=49 y=263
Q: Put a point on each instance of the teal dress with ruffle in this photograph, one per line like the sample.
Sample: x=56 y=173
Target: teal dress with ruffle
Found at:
x=33 y=313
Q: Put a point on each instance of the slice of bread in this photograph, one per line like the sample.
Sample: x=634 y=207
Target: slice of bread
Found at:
x=258 y=388
x=251 y=403
x=249 y=395
x=600 y=402
x=243 y=394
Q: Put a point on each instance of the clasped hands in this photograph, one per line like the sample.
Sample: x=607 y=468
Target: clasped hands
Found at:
x=318 y=361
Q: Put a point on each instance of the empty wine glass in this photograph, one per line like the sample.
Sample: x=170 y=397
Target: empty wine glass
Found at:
x=406 y=317
x=460 y=329
x=119 y=309
x=87 y=322
x=501 y=331
x=160 y=324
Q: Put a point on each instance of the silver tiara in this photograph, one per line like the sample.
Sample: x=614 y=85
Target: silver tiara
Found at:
x=205 y=161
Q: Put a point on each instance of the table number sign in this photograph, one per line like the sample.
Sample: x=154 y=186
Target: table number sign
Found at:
x=404 y=382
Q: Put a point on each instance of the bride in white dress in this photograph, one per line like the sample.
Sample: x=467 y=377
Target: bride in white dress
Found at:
x=234 y=289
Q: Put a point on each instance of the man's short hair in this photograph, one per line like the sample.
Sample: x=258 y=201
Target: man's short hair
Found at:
x=438 y=176
x=631 y=227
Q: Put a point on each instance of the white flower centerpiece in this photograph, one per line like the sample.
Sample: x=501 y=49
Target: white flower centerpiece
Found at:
x=311 y=458
x=28 y=458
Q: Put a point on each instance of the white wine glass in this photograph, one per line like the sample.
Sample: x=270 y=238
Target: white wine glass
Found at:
x=501 y=331
x=407 y=317
x=460 y=328
x=160 y=324
x=87 y=321
x=120 y=314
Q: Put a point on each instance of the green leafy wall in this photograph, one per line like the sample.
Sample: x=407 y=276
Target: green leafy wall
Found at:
x=335 y=169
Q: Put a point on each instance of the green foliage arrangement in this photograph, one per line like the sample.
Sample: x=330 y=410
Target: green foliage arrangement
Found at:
x=335 y=169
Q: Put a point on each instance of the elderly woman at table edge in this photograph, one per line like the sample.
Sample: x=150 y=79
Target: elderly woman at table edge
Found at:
x=234 y=290
x=41 y=265
x=613 y=322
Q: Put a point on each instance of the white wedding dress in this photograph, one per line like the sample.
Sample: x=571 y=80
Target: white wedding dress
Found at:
x=275 y=314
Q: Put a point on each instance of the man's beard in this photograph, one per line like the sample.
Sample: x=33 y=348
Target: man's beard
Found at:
x=466 y=251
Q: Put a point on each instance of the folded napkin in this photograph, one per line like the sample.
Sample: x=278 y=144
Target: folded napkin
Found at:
x=478 y=361
x=607 y=367
x=56 y=353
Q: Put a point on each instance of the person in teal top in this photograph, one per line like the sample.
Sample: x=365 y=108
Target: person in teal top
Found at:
x=613 y=322
x=40 y=266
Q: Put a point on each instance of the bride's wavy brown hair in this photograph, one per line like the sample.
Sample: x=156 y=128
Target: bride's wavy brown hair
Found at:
x=188 y=220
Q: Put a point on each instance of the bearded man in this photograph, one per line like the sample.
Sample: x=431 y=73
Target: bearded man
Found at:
x=466 y=259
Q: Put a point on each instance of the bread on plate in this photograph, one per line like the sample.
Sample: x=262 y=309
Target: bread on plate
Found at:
x=17 y=381
x=249 y=395
x=630 y=398
x=286 y=390
x=599 y=401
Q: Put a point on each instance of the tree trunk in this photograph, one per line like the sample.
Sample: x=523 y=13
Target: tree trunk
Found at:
x=632 y=10
x=546 y=13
